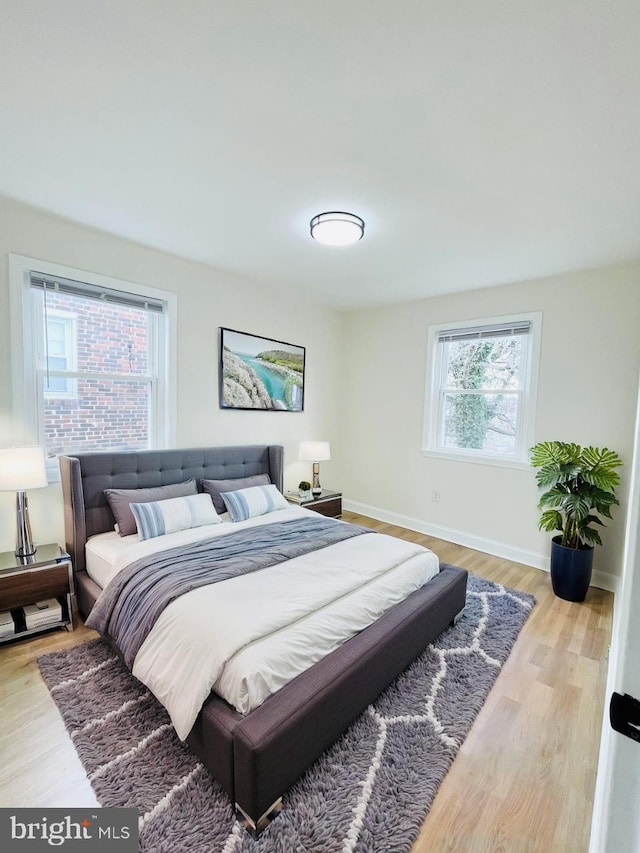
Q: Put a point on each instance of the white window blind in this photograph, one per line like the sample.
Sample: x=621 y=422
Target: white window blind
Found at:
x=92 y=291
x=495 y=330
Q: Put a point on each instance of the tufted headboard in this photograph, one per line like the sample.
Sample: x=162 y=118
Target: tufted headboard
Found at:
x=86 y=476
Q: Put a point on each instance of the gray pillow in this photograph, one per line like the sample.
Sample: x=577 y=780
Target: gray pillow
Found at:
x=119 y=500
x=216 y=487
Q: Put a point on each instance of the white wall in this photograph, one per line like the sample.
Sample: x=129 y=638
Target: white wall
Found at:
x=587 y=390
x=207 y=298
x=371 y=412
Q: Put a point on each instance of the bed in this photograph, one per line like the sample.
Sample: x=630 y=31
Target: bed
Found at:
x=257 y=755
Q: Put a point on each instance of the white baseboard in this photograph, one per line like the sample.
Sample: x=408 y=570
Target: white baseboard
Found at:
x=602 y=580
x=605 y=581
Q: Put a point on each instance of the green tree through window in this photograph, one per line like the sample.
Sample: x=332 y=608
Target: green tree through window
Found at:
x=488 y=366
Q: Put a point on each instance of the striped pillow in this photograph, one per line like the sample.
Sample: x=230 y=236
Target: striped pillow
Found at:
x=256 y=500
x=157 y=518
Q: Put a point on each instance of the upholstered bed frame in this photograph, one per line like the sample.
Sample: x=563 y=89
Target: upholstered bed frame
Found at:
x=257 y=757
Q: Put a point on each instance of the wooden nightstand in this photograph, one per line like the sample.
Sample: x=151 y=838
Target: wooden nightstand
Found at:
x=327 y=503
x=25 y=580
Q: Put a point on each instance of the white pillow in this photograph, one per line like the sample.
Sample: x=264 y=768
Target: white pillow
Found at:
x=256 y=500
x=157 y=518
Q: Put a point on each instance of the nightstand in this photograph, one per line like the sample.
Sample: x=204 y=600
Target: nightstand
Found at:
x=327 y=503
x=24 y=580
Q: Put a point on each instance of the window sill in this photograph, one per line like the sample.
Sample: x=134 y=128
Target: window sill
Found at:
x=494 y=461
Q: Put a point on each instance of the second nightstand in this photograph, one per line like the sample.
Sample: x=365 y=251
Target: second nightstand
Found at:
x=327 y=503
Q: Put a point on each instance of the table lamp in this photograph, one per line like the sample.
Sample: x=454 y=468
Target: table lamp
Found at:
x=316 y=452
x=22 y=468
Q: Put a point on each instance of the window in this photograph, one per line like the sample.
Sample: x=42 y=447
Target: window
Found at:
x=480 y=394
x=96 y=366
x=61 y=354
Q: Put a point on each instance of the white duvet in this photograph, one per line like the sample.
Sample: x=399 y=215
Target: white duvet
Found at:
x=248 y=636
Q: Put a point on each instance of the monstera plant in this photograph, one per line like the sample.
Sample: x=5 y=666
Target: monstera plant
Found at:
x=579 y=485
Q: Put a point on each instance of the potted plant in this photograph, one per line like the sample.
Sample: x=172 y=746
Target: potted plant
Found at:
x=304 y=486
x=579 y=485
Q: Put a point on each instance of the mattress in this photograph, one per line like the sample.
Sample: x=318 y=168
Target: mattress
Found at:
x=248 y=636
x=107 y=553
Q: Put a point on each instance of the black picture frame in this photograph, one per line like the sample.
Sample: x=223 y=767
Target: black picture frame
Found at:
x=250 y=382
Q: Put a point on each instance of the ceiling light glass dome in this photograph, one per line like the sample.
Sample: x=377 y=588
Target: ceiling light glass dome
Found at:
x=337 y=228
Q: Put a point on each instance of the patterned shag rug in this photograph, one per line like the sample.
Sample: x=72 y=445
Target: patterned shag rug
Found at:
x=369 y=792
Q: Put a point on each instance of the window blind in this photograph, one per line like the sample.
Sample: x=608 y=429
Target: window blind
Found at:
x=91 y=291
x=494 y=330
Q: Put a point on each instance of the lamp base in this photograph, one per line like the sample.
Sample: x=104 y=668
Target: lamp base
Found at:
x=24 y=542
x=316 y=488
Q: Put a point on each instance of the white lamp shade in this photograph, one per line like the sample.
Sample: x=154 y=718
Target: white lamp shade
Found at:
x=22 y=468
x=315 y=451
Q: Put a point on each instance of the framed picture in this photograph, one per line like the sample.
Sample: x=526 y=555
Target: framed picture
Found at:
x=260 y=373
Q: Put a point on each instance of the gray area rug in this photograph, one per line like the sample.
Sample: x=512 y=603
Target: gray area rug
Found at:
x=369 y=792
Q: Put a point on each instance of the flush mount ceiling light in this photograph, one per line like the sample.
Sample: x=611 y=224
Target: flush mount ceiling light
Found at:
x=337 y=228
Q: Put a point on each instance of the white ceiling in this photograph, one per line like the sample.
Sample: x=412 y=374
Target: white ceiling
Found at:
x=483 y=141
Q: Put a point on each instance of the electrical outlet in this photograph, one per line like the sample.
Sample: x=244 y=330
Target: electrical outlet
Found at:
x=435 y=496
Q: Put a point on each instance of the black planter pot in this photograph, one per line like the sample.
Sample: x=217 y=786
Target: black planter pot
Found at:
x=570 y=570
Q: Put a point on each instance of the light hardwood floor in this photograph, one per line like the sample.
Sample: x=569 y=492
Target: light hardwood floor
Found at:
x=522 y=782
